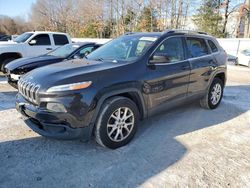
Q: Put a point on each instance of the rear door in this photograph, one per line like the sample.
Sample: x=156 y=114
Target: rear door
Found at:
x=167 y=75
x=202 y=64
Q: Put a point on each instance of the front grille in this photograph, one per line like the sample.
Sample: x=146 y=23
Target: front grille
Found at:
x=28 y=90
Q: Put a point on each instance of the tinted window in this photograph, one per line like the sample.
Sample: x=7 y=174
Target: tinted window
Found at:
x=197 y=47
x=171 y=49
x=212 y=46
x=42 y=39
x=60 y=39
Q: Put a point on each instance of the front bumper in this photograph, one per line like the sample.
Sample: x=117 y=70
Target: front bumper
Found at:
x=12 y=82
x=50 y=124
x=13 y=79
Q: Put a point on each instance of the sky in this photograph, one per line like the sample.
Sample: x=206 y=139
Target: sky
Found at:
x=15 y=8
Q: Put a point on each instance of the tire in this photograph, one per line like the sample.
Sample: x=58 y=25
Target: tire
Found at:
x=5 y=62
x=236 y=62
x=208 y=101
x=106 y=135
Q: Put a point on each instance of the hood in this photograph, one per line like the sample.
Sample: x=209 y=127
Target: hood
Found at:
x=67 y=72
x=31 y=62
x=7 y=42
x=10 y=46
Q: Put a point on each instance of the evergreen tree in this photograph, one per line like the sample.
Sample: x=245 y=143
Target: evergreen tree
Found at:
x=147 y=20
x=209 y=19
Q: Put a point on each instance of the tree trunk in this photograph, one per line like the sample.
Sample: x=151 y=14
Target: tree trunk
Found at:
x=225 y=17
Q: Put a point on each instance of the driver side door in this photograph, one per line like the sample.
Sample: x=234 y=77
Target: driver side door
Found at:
x=39 y=45
x=168 y=73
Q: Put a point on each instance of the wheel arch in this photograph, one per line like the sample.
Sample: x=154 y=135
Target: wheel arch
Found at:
x=222 y=76
x=132 y=93
x=6 y=55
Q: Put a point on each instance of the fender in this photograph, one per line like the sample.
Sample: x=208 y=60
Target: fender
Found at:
x=215 y=73
x=109 y=94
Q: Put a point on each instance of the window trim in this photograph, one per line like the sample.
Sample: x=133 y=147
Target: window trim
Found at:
x=183 y=47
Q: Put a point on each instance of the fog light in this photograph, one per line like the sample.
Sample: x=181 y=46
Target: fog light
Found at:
x=56 y=107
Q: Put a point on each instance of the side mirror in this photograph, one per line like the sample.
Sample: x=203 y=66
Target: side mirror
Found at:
x=159 y=58
x=32 y=42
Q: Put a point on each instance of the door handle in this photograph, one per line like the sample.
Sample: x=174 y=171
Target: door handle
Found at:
x=185 y=67
x=48 y=48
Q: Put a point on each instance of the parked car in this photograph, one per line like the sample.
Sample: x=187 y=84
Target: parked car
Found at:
x=31 y=44
x=243 y=58
x=128 y=79
x=5 y=38
x=19 y=67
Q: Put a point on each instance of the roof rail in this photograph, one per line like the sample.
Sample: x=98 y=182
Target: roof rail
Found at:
x=185 y=31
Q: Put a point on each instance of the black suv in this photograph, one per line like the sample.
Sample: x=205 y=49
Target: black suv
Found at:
x=128 y=79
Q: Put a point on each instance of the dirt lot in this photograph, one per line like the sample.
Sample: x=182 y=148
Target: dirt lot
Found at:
x=185 y=147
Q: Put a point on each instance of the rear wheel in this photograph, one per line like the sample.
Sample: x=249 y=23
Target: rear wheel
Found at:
x=214 y=95
x=117 y=122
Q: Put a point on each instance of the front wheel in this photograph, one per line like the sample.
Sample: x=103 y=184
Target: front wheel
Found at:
x=117 y=122
x=214 y=95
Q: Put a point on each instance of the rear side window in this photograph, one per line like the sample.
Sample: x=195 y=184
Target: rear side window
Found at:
x=42 y=39
x=212 y=46
x=197 y=47
x=60 y=39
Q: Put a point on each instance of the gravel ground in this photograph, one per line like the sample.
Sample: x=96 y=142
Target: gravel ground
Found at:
x=184 y=147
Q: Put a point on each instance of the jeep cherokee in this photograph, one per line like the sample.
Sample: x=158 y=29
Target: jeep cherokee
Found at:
x=128 y=79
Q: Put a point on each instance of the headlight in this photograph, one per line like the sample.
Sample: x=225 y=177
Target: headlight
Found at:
x=68 y=87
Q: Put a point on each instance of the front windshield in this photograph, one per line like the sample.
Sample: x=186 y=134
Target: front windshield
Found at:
x=127 y=48
x=23 y=37
x=64 y=51
x=246 y=52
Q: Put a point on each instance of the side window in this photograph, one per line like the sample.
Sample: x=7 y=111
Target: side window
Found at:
x=197 y=47
x=170 y=51
x=60 y=39
x=212 y=46
x=42 y=39
x=141 y=47
x=85 y=51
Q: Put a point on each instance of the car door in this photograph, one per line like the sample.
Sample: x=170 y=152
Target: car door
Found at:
x=202 y=65
x=40 y=44
x=167 y=74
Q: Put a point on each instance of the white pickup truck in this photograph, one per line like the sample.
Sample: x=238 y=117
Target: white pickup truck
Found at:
x=31 y=44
